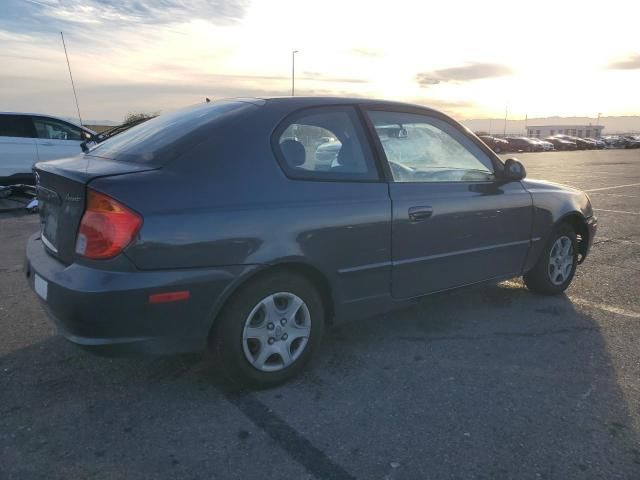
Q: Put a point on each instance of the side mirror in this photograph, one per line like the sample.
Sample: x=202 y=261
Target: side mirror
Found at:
x=514 y=170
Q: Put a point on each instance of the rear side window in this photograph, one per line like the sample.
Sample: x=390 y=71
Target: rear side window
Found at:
x=325 y=143
x=16 y=126
x=52 y=129
x=146 y=142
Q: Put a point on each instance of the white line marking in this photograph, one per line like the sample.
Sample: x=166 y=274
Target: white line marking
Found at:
x=606 y=308
x=615 y=194
x=586 y=303
x=615 y=240
x=611 y=188
x=616 y=211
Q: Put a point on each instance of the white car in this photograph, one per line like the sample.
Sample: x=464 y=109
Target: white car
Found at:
x=27 y=138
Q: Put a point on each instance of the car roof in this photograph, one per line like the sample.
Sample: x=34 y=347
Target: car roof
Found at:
x=301 y=102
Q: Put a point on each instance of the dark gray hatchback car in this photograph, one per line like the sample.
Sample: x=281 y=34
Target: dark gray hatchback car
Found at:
x=230 y=225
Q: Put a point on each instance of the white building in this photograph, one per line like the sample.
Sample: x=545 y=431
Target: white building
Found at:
x=582 y=131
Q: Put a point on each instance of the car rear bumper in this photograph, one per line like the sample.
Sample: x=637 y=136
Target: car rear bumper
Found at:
x=110 y=313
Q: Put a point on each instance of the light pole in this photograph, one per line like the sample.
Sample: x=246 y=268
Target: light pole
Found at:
x=506 y=110
x=293 y=72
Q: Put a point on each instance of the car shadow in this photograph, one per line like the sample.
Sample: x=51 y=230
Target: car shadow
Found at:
x=488 y=382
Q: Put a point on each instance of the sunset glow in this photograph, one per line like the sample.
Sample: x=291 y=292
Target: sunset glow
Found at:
x=470 y=59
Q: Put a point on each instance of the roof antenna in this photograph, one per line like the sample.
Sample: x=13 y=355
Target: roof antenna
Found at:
x=71 y=77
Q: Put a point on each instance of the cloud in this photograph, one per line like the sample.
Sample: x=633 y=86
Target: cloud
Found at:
x=456 y=108
x=189 y=71
x=630 y=63
x=47 y=15
x=441 y=104
x=319 y=77
x=366 y=52
x=112 y=100
x=465 y=73
x=425 y=79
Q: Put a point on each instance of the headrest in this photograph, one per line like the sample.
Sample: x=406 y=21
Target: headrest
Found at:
x=294 y=152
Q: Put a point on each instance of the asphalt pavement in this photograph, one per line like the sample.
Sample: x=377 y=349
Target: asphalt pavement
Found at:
x=490 y=382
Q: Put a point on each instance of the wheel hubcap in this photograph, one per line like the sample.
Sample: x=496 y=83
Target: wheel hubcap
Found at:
x=561 y=260
x=276 y=331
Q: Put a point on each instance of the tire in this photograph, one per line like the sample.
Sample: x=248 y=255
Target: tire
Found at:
x=553 y=272
x=262 y=322
x=498 y=150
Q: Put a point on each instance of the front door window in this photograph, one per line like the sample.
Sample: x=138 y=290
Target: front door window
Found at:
x=424 y=149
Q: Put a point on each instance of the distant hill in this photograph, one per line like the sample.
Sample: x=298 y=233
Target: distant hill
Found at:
x=630 y=124
x=90 y=122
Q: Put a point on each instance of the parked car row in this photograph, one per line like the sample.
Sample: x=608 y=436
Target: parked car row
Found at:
x=622 y=141
x=515 y=144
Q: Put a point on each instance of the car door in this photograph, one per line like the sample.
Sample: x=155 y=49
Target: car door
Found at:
x=17 y=145
x=453 y=222
x=56 y=138
x=340 y=206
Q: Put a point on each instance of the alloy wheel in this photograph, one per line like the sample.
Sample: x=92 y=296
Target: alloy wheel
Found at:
x=561 y=260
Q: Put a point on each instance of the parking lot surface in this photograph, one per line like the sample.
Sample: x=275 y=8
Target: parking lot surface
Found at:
x=490 y=382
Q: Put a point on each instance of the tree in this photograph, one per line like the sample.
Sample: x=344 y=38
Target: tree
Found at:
x=138 y=117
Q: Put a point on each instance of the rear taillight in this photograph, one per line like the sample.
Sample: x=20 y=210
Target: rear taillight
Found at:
x=106 y=228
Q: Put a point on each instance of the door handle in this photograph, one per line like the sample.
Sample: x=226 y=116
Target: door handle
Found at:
x=420 y=213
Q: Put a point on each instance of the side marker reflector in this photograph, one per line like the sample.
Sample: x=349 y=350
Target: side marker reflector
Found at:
x=168 y=297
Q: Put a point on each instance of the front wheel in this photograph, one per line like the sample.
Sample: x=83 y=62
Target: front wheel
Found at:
x=557 y=264
x=270 y=329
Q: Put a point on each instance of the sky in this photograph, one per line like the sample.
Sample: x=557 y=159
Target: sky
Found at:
x=471 y=59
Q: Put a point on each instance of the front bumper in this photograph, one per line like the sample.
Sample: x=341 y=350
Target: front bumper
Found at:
x=592 y=228
x=109 y=312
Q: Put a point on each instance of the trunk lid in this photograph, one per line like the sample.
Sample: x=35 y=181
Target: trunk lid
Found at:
x=61 y=186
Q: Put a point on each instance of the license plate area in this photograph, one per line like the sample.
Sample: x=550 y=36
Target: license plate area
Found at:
x=41 y=286
x=49 y=206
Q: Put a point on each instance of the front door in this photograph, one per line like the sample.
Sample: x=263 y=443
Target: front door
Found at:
x=56 y=139
x=453 y=223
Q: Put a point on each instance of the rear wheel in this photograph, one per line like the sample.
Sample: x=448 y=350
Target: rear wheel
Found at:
x=557 y=264
x=270 y=329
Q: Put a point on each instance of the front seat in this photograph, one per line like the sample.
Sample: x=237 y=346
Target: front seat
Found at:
x=348 y=159
x=294 y=152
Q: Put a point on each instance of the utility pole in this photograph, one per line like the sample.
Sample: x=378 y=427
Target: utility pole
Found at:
x=73 y=86
x=293 y=72
x=506 y=110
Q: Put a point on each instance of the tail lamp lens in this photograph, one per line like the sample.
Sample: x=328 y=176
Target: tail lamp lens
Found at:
x=106 y=228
